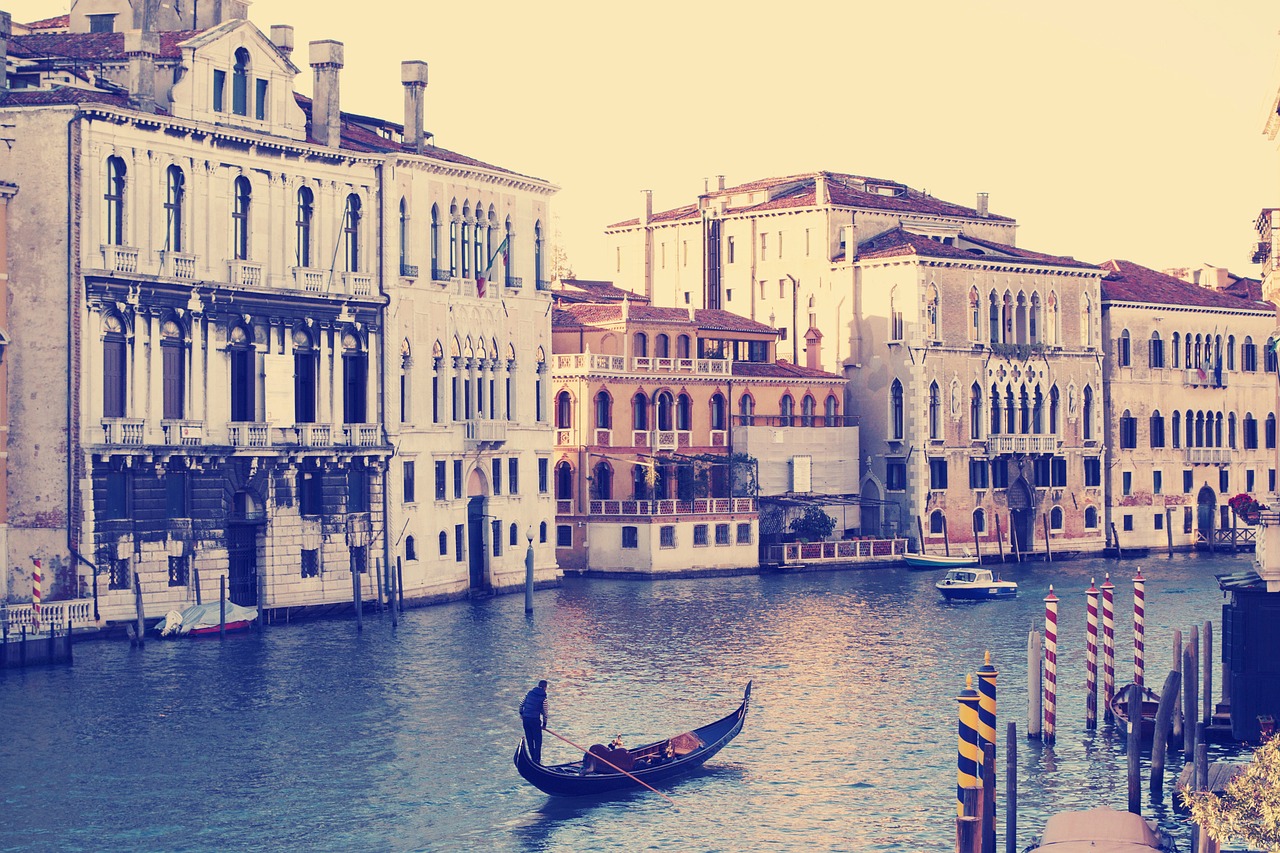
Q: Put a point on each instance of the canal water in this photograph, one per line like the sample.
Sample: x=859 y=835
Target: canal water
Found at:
x=309 y=737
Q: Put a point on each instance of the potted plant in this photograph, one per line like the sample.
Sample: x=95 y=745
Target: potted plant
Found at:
x=1246 y=508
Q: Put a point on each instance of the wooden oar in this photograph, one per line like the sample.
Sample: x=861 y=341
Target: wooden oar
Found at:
x=614 y=766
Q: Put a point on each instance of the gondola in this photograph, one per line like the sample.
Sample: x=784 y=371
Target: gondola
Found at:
x=649 y=764
x=1150 y=705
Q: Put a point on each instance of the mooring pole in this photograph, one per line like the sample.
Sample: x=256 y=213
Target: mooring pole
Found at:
x=1050 y=665
x=222 y=607
x=1189 y=702
x=1207 y=661
x=1160 y=738
x=1177 y=667
x=968 y=751
x=1108 y=647
x=1139 y=627
x=987 y=732
x=1133 y=752
x=999 y=536
x=1011 y=788
x=1091 y=657
x=1034 y=683
x=528 y=571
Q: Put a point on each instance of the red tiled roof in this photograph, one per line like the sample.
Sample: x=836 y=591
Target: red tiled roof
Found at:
x=1130 y=282
x=54 y=23
x=901 y=242
x=1248 y=289
x=62 y=96
x=93 y=47
x=781 y=370
x=584 y=290
x=577 y=314
x=842 y=189
x=716 y=320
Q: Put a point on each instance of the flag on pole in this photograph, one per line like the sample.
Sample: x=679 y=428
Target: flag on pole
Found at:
x=481 y=278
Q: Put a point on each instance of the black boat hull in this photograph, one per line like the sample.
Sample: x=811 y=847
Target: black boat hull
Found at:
x=566 y=780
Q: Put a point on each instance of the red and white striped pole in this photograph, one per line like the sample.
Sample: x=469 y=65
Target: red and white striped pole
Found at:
x=1108 y=646
x=36 y=594
x=1050 y=664
x=1091 y=658
x=1139 y=626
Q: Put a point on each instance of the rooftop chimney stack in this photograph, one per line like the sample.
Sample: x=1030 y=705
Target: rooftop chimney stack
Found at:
x=647 y=213
x=720 y=183
x=413 y=74
x=282 y=38
x=820 y=189
x=6 y=30
x=982 y=205
x=326 y=106
x=141 y=48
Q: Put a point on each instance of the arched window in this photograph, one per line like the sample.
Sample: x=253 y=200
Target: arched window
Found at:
x=832 y=412
x=1020 y=319
x=1033 y=319
x=240 y=218
x=1037 y=412
x=935 y=411
x=351 y=232
x=1090 y=518
x=995 y=410
x=1231 y=352
x=1248 y=355
x=435 y=241
x=717 y=411
x=684 y=413
x=564 y=481
x=640 y=345
x=640 y=483
x=640 y=412
x=1053 y=410
x=931 y=313
x=1175 y=354
x=787 y=409
x=306 y=210
x=664 y=405
x=477 y=236
x=1217 y=431
x=355 y=379
x=1269 y=356
x=173 y=349
x=937 y=521
x=1200 y=439
x=538 y=274
x=975 y=315
x=1189 y=425
x=244 y=374
x=114 y=201
x=897 y=424
x=410 y=548
x=993 y=317
x=747 y=410
x=602 y=482
x=1155 y=355
x=542 y=532
x=1271 y=431
x=1024 y=409
x=1010 y=410
x=808 y=409
x=1156 y=429
x=1123 y=354
x=464 y=247
x=509 y=255
x=444 y=544
x=513 y=535
x=1087 y=413
x=564 y=410
x=1053 y=322
x=490 y=229
x=979 y=520
x=1250 y=432
x=404 y=237
x=1006 y=319
x=662 y=346
x=454 y=223
x=975 y=411
x=176 y=189
x=1086 y=321
x=305 y=376
x=114 y=367
x=1055 y=519
x=682 y=346
x=240 y=83
x=604 y=411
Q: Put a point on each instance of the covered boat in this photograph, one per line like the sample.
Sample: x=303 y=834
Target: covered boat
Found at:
x=974 y=585
x=652 y=763
x=1101 y=830
x=204 y=619
x=938 y=561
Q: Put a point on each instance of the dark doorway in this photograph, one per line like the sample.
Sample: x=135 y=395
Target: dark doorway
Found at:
x=242 y=570
x=1021 y=517
x=476 y=552
x=1206 y=503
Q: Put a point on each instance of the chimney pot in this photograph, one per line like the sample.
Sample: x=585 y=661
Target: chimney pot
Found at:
x=413 y=75
x=142 y=48
x=282 y=38
x=326 y=103
x=820 y=189
x=720 y=182
x=982 y=205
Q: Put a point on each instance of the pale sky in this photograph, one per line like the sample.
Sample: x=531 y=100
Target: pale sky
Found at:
x=1127 y=129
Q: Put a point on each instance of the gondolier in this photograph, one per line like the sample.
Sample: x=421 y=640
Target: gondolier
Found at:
x=533 y=713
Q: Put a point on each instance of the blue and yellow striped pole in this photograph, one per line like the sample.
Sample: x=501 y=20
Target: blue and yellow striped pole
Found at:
x=987 y=701
x=969 y=755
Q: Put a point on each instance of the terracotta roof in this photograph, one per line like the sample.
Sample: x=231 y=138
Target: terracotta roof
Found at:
x=1248 y=289
x=716 y=320
x=709 y=319
x=1130 y=282
x=781 y=370
x=583 y=290
x=901 y=242
x=62 y=96
x=842 y=190
x=561 y=319
x=59 y=22
x=92 y=47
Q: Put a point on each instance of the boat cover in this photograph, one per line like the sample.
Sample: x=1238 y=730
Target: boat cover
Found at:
x=1100 y=830
x=203 y=616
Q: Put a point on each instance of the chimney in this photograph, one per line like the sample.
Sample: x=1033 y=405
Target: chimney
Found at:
x=693 y=318
x=6 y=30
x=820 y=189
x=813 y=349
x=326 y=106
x=282 y=38
x=982 y=205
x=647 y=213
x=720 y=183
x=413 y=74
x=141 y=49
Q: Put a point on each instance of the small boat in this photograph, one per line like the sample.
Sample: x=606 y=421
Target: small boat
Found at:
x=938 y=561
x=652 y=763
x=974 y=585
x=1150 y=705
x=204 y=619
x=1101 y=830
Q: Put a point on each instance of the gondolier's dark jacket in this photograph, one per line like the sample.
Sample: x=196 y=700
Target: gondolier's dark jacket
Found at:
x=534 y=704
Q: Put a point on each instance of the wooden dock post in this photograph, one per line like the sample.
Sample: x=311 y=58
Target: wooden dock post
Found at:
x=1189 y=701
x=1168 y=529
x=399 y=585
x=1200 y=782
x=920 y=530
x=222 y=607
x=946 y=537
x=1207 y=678
x=977 y=547
x=357 y=598
x=1160 y=740
x=1115 y=537
x=988 y=798
x=391 y=597
x=999 y=536
x=969 y=824
x=1134 y=751
x=137 y=605
x=1034 y=683
x=1048 y=550
x=1013 y=539
x=377 y=584
x=195 y=578
x=1011 y=788
x=1176 y=722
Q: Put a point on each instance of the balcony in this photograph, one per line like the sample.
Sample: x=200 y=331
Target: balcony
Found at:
x=564 y=437
x=178 y=265
x=589 y=362
x=604 y=438
x=178 y=433
x=514 y=282
x=1025 y=444
x=127 y=431
x=700 y=506
x=805 y=421
x=408 y=270
x=719 y=438
x=357 y=283
x=440 y=275
x=1197 y=377
x=363 y=435
x=480 y=432
x=309 y=279
x=248 y=434
x=1209 y=455
x=314 y=435
x=120 y=259
x=543 y=284
x=245 y=273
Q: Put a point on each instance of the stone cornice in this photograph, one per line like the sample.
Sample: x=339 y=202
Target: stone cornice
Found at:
x=444 y=168
x=1243 y=311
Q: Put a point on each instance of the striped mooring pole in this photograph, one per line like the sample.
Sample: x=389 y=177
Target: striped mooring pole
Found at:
x=969 y=753
x=1050 y=664
x=1091 y=657
x=1139 y=626
x=36 y=593
x=1108 y=646
x=987 y=733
